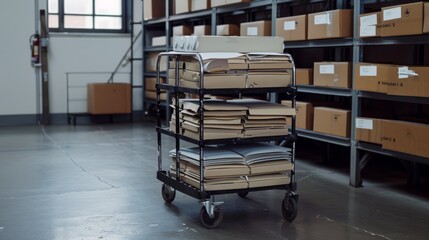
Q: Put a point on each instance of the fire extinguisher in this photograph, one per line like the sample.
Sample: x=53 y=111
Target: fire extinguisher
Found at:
x=35 y=48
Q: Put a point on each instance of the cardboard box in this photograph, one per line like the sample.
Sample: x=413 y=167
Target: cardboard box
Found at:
x=217 y=3
x=330 y=24
x=109 y=98
x=409 y=81
x=182 y=6
x=368 y=130
x=369 y=25
x=304 y=76
x=152 y=95
x=332 y=121
x=227 y=44
x=405 y=137
x=150 y=83
x=182 y=30
x=292 y=28
x=373 y=77
x=426 y=19
x=228 y=30
x=151 y=62
x=332 y=74
x=400 y=20
x=153 y=9
x=159 y=41
x=198 y=5
x=258 y=28
x=202 y=30
x=304 y=114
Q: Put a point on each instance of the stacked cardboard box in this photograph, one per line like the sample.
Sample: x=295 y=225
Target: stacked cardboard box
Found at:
x=150 y=88
x=332 y=74
x=392 y=79
x=258 y=28
x=151 y=62
x=369 y=25
x=228 y=30
x=400 y=136
x=330 y=24
x=235 y=167
x=304 y=76
x=332 y=121
x=292 y=28
x=217 y=3
x=153 y=9
x=202 y=30
x=304 y=114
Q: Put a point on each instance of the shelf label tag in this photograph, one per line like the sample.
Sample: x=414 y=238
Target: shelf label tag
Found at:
x=252 y=31
x=392 y=13
x=322 y=19
x=368 y=71
x=327 y=69
x=364 y=124
x=289 y=25
x=368 y=25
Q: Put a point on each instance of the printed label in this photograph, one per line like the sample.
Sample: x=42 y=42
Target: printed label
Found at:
x=368 y=25
x=392 y=13
x=327 y=69
x=322 y=19
x=368 y=71
x=402 y=72
x=289 y=25
x=364 y=124
x=252 y=31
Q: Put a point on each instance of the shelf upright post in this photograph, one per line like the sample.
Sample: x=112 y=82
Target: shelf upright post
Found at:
x=201 y=137
x=273 y=96
x=143 y=64
x=355 y=169
x=214 y=21
x=168 y=37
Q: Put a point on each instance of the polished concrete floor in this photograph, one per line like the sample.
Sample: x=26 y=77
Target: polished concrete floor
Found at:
x=98 y=182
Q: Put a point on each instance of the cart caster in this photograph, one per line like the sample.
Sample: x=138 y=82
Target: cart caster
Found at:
x=211 y=222
x=168 y=193
x=289 y=208
x=242 y=194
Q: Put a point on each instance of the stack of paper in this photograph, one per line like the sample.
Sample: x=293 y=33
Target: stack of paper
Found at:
x=235 y=167
x=234 y=70
x=264 y=118
x=223 y=169
x=269 y=70
x=221 y=119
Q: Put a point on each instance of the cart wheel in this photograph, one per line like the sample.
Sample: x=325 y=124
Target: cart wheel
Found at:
x=289 y=208
x=242 y=194
x=168 y=193
x=211 y=222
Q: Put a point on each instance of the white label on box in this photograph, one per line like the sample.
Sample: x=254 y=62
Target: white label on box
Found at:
x=392 y=13
x=289 y=25
x=327 y=69
x=368 y=25
x=322 y=19
x=368 y=71
x=252 y=31
x=364 y=124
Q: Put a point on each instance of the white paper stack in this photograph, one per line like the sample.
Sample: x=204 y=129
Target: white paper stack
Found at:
x=235 y=166
x=264 y=118
x=221 y=119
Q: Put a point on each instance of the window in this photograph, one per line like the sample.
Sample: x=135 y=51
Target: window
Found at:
x=88 y=15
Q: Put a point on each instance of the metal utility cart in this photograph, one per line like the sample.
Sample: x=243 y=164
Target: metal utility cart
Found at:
x=210 y=214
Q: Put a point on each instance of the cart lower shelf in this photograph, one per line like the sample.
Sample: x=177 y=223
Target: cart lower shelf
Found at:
x=211 y=214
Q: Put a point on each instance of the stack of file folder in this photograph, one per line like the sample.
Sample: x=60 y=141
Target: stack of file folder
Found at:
x=235 y=167
x=234 y=70
x=242 y=118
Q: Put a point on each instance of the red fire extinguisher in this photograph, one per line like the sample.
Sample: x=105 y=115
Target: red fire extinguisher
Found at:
x=35 y=48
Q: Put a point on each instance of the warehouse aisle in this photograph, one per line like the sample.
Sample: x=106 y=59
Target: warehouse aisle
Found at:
x=98 y=182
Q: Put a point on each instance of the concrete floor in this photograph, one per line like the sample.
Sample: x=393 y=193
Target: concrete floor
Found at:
x=98 y=182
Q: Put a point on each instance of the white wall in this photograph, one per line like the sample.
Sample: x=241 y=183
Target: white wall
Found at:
x=67 y=53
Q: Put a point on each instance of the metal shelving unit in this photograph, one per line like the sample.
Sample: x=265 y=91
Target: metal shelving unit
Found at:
x=355 y=44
